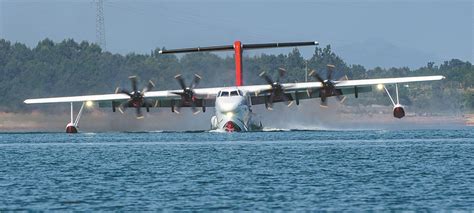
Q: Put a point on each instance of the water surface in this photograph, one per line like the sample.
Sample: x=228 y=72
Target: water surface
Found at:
x=281 y=170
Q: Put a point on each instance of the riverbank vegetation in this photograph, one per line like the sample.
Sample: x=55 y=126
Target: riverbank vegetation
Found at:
x=80 y=68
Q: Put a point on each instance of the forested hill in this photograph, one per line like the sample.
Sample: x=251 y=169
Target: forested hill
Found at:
x=71 y=68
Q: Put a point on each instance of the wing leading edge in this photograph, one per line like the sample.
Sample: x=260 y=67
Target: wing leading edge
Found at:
x=298 y=90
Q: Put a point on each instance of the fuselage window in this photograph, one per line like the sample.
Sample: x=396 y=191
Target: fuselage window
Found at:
x=224 y=93
x=234 y=93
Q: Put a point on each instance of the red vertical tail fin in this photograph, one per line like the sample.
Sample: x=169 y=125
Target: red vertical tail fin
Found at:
x=238 y=63
x=238 y=48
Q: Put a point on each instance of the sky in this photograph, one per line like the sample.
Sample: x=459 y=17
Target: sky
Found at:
x=367 y=32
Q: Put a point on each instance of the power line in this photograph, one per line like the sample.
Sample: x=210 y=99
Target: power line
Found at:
x=99 y=24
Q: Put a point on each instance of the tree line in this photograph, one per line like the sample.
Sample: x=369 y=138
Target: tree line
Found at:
x=70 y=68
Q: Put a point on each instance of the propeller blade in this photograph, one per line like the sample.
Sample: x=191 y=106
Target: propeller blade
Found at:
x=266 y=77
x=317 y=76
x=178 y=93
x=286 y=98
x=139 y=112
x=323 y=103
x=180 y=80
x=344 y=78
x=330 y=69
x=195 y=110
x=289 y=104
x=121 y=108
x=122 y=91
x=133 y=80
x=281 y=73
x=322 y=93
x=309 y=92
x=339 y=95
x=341 y=98
x=196 y=80
x=270 y=101
x=136 y=99
x=177 y=109
x=148 y=87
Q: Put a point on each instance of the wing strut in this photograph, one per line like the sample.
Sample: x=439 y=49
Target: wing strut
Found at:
x=398 y=110
x=73 y=126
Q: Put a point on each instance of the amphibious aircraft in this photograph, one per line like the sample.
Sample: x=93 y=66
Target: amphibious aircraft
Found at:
x=233 y=105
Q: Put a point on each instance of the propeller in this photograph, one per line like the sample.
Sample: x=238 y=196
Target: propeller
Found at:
x=328 y=89
x=136 y=99
x=187 y=95
x=277 y=91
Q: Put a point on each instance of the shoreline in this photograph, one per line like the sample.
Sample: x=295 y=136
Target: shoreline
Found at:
x=106 y=122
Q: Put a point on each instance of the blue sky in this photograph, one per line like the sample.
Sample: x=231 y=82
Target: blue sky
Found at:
x=371 y=33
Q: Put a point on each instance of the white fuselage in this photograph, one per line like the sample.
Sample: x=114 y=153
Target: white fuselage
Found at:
x=233 y=112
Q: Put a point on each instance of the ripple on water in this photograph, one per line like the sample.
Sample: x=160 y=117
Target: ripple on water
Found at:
x=276 y=170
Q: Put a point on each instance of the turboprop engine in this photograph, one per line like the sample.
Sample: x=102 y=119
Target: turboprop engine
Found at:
x=398 y=111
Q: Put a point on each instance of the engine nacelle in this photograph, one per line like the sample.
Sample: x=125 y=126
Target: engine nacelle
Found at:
x=398 y=111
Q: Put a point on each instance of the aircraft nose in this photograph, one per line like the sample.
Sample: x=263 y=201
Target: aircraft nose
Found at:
x=227 y=107
x=232 y=127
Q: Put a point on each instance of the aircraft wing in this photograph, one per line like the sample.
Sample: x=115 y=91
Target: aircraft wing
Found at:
x=259 y=93
x=306 y=90
x=367 y=82
x=165 y=98
x=106 y=97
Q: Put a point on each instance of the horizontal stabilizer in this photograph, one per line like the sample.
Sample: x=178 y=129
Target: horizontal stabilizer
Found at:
x=276 y=45
x=198 y=49
x=244 y=46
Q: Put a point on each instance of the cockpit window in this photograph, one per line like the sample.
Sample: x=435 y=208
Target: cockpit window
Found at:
x=234 y=93
x=224 y=93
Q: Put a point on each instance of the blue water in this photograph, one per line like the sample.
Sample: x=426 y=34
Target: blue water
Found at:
x=289 y=170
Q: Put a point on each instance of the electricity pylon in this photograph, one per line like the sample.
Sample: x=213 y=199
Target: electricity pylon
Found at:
x=99 y=24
